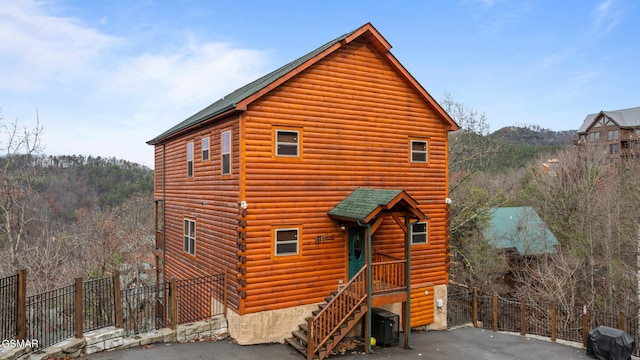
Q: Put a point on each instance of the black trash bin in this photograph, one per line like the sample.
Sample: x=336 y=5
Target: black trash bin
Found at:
x=607 y=343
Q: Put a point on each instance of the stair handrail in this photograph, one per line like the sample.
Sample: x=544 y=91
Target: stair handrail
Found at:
x=333 y=315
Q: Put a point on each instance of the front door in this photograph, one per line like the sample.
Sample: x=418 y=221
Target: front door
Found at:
x=356 y=250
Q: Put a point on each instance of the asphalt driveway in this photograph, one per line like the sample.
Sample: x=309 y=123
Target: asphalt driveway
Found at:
x=463 y=343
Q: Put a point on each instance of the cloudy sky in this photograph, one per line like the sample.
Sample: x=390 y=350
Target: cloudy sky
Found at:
x=104 y=77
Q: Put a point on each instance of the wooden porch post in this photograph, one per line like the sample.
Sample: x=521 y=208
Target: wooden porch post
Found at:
x=367 y=337
x=407 y=251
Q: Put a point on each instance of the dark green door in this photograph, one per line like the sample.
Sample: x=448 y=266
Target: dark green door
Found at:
x=356 y=250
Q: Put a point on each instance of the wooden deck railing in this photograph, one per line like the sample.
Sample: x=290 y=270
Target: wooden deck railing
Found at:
x=336 y=312
x=388 y=276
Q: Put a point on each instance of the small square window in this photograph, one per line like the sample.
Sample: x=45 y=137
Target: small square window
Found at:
x=420 y=233
x=190 y=159
x=190 y=237
x=287 y=143
x=205 y=149
x=419 y=151
x=286 y=242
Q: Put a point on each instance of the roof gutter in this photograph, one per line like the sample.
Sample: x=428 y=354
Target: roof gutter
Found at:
x=229 y=110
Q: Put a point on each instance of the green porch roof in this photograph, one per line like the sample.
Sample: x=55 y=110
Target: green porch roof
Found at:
x=363 y=203
x=520 y=228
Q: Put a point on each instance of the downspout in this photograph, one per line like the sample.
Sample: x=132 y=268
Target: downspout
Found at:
x=368 y=337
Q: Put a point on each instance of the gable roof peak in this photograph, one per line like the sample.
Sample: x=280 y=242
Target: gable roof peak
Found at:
x=239 y=99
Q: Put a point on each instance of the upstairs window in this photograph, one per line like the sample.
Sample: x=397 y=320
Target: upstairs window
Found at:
x=190 y=160
x=286 y=242
x=190 y=237
x=287 y=143
x=226 y=152
x=419 y=151
x=613 y=148
x=205 y=149
x=420 y=233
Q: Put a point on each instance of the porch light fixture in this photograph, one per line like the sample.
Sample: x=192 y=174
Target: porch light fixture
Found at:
x=343 y=227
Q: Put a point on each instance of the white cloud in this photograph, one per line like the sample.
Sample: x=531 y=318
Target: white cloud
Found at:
x=606 y=16
x=92 y=98
x=37 y=48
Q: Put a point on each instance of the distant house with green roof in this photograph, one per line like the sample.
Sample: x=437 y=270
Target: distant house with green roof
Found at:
x=520 y=229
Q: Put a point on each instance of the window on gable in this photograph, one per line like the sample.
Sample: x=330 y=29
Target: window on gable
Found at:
x=226 y=152
x=287 y=143
x=190 y=237
x=419 y=153
x=205 y=149
x=420 y=233
x=190 y=159
x=286 y=242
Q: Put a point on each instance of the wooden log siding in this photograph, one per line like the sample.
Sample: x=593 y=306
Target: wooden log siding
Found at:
x=209 y=198
x=356 y=117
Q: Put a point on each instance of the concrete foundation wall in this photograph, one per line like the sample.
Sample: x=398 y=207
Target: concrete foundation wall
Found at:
x=267 y=326
x=439 y=313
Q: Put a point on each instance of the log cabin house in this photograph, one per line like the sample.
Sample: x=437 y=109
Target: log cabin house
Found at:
x=323 y=183
x=616 y=132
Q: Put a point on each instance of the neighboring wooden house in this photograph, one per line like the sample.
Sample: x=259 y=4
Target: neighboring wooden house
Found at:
x=519 y=230
x=617 y=132
x=327 y=174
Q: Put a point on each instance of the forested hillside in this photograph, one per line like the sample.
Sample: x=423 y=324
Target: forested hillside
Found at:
x=587 y=200
x=69 y=216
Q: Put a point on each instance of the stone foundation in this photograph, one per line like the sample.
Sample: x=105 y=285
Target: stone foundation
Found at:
x=112 y=338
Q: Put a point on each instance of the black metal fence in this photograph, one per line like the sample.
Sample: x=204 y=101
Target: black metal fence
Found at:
x=51 y=316
x=466 y=306
x=142 y=308
x=62 y=313
x=98 y=303
x=8 y=303
x=204 y=296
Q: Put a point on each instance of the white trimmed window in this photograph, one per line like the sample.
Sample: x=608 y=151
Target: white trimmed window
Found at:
x=420 y=233
x=226 y=152
x=287 y=143
x=190 y=160
x=205 y=149
x=190 y=237
x=419 y=151
x=286 y=242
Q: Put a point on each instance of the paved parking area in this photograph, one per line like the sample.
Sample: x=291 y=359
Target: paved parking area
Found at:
x=463 y=343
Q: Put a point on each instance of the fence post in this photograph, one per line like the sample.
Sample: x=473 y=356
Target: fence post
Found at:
x=225 y=292
x=523 y=317
x=474 y=307
x=553 y=321
x=173 y=299
x=79 y=307
x=21 y=304
x=495 y=312
x=621 y=320
x=117 y=299
x=585 y=326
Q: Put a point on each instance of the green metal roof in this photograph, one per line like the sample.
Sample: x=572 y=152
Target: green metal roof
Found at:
x=520 y=228
x=362 y=202
x=228 y=102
